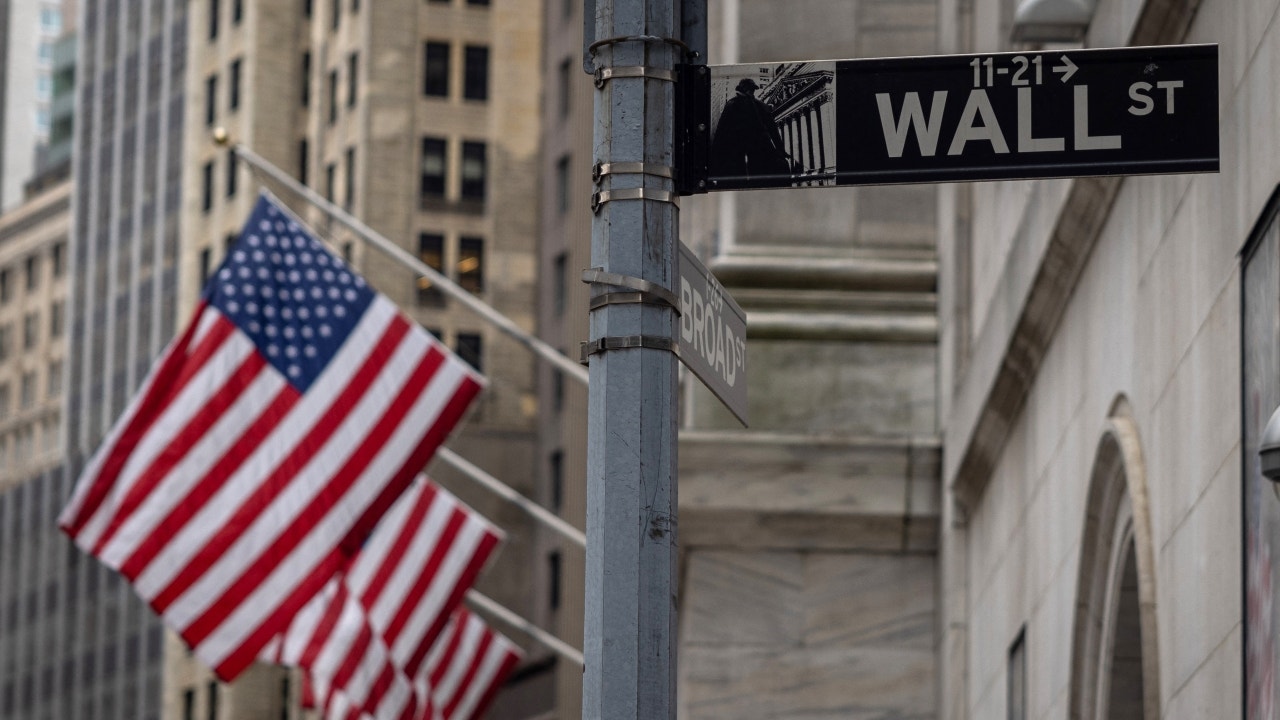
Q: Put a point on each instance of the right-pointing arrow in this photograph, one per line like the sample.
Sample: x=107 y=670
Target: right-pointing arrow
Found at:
x=1067 y=68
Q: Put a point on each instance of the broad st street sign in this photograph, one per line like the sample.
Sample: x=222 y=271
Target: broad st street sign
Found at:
x=713 y=334
x=1061 y=113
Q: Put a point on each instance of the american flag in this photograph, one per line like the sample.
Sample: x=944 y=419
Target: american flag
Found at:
x=467 y=667
x=267 y=441
x=384 y=625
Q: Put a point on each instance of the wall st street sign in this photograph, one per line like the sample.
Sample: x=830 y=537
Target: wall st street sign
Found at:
x=1062 y=113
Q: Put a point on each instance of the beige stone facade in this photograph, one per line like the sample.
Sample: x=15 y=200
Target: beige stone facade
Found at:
x=1093 y=534
x=33 y=293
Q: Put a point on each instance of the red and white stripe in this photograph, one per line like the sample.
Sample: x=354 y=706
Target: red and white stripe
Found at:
x=230 y=499
x=416 y=568
x=357 y=641
x=467 y=666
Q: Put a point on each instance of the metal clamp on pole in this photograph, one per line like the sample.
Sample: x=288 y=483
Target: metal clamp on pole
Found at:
x=598 y=199
x=651 y=293
x=652 y=342
x=637 y=38
x=603 y=75
x=601 y=169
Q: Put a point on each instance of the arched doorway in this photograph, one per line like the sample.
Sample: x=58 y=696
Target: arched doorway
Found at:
x=1115 y=659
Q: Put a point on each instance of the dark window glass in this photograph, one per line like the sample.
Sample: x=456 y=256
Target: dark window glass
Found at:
x=5 y=290
x=471 y=264
x=206 y=265
x=1016 y=707
x=477 y=2
x=436 y=74
x=306 y=79
x=58 y=253
x=213 y=19
x=237 y=11
x=471 y=350
x=306 y=8
x=210 y=100
x=234 y=89
x=560 y=290
x=189 y=704
x=475 y=67
x=33 y=272
x=213 y=700
x=336 y=14
x=431 y=252
x=565 y=78
x=431 y=183
x=333 y=96
x=330 y=172
x=553 y=579
x=303 y=156
x=562 y=184
x=557 y=478
x=353 y=75
x=207 y=195
x=231 y=172
x=349 y=191
x=473 y=170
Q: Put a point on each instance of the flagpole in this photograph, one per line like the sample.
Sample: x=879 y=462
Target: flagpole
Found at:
x=404 y=257
x=551 y=520
x=551 y=642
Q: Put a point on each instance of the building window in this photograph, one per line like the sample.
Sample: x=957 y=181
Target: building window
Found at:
x=189 y=704
x=330 y=174
x=471 y=264
x=28 y=396
x=5 y=290
x=431 y=252
x=471 y=349
x=349 y=197
x=554 y=563
x=306 y=8
x=213 y=700
x=33 y=272
x=562 y=184
x=6 y=331
x=556 y=468
x=336 y=15
x=560 y=288
x=565 y=83
x=353 y=74
x=55 y=320
x=57 y=254
x=436 y=72
x=207 y=194
x=431 y=182
x=231 y=172
x=477 y=2
x=30 y=330
x=303 y=155
x=213 y=19
x=306 y=79
x=206 y=265
x=210 y=99
x=475 y=65
x=54 y=382
x=4 y=413
x=473 y=170
x=234 y=82
x=1017 y=678
x=237 y=11
x=333 y=96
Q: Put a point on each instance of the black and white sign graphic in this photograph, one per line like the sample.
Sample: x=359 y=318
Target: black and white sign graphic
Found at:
x=1064 y=113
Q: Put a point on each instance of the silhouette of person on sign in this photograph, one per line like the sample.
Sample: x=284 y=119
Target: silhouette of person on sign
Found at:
x=746 y=142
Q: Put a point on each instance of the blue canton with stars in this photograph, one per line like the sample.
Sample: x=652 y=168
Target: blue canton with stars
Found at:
x=293 y=298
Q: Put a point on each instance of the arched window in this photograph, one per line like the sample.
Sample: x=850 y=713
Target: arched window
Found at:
x=1115 y=659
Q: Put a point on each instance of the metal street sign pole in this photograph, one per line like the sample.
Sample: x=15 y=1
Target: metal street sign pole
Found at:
x=631 y=569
